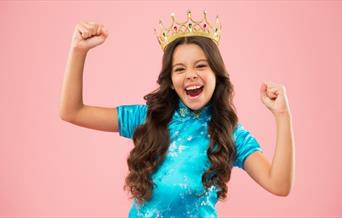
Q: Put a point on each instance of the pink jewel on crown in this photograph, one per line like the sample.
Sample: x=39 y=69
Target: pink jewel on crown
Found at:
x=189 y=27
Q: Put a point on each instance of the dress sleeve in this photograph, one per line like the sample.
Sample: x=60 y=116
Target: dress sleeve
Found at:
x=245 y=144
x=129 y=118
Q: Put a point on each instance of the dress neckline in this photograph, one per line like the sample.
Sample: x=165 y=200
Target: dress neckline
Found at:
x=185 y=112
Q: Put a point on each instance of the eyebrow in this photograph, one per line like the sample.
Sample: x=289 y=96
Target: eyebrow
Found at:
x=195 y=62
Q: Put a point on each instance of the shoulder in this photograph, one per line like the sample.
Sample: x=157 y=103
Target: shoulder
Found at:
x=133 y=109
x=238 y=130
x=130 y=117
x=245 y=144
x=241 y=135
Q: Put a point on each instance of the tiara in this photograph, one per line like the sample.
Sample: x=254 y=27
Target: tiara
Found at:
x=190 y=27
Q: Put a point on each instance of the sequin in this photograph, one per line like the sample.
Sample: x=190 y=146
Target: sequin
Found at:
x=178 y=181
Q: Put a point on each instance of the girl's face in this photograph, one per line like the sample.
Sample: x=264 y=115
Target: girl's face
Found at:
x=192 y=77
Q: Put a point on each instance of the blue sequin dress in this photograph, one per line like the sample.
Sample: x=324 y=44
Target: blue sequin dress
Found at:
x=178 y=181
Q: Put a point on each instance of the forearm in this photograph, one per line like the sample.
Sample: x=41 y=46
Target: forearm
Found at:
x=283 y=164
x=71 y=98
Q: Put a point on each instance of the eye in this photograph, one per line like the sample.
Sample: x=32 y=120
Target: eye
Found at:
x=179 y=69
x=201 y=65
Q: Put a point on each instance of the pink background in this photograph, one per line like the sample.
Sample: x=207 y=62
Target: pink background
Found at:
x=51 y=168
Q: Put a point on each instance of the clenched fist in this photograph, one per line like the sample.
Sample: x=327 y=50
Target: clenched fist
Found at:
x=274 y=97
x=88 y=35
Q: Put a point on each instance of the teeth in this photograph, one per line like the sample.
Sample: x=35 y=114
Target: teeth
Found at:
x=192 y=87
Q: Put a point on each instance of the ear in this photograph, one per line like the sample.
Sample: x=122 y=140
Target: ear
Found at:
x=172 y=86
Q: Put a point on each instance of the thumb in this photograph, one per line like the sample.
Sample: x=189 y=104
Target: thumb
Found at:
x=263 y=94
x=263 y=89
x=104 y=32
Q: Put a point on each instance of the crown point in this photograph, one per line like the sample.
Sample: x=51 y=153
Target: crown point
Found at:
x=189 y=27
x=173 y=17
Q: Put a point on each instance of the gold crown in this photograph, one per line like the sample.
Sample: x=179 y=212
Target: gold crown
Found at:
x=190 y=27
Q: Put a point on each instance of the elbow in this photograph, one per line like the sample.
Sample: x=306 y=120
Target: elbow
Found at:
x=62 y=114
x=65 y=117
x=282 y=187
x=282 y=193
x=68 y=114
x=282 y=190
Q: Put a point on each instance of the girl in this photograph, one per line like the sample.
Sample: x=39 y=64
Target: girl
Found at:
x=187 y=137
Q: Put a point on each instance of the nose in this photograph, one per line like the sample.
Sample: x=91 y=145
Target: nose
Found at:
x=191 y=74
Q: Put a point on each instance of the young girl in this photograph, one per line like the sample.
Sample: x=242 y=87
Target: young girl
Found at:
x=187 y=136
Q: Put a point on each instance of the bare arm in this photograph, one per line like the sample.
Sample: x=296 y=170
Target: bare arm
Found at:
x=71 y=107
x=276 y=177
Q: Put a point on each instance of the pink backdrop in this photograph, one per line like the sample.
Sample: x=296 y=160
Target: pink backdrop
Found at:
x=51 y=168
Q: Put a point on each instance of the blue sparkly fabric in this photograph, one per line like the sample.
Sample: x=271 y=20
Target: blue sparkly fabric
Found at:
x=178 y=190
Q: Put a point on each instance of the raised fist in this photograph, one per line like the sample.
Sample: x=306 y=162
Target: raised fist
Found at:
x=88 y=35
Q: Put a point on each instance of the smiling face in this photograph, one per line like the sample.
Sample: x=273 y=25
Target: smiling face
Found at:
x=192 y=77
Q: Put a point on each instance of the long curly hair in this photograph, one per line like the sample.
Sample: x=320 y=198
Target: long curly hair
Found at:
x=151 y=140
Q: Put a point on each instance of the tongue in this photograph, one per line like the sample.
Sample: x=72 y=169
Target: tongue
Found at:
x=194 y=92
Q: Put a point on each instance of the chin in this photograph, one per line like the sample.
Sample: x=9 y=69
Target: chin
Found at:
x=195 y=105
x=195 y=108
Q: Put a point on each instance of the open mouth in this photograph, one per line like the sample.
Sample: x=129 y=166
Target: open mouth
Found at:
x=194 y=91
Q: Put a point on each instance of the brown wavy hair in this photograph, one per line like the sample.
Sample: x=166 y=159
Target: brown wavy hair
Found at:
x=151 y=140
